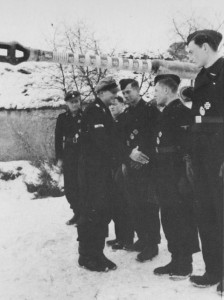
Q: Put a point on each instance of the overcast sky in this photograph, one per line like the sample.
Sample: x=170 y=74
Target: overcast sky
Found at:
x=135 y=25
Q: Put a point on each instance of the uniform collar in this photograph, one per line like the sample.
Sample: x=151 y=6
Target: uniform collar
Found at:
x=206 y=75
x=140 y=103
x=78 y=115
x=215 y=68
x=172 y=104
x=102 y=105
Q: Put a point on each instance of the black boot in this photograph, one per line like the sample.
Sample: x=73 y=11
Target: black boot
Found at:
x=148 y=253
x=183 y=268
x=101 y=258
x=138 y=246
x=91 y=264
x=178 y=268
x=220 y=287
x=118 y=245
x=205 y=280
x=111 y=242
x=167 y=269
x=73 y=220
x=89 y=257
x=122 y=245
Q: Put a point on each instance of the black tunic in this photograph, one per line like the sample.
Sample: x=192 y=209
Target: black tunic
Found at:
x=95 y=171
x=174 y=192
x=139 y=130
x=67 y=148
x=208 y=155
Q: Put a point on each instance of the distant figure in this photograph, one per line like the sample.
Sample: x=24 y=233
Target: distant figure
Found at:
x=67 y=147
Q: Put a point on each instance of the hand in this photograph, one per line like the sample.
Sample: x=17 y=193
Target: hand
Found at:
x=58 y=167
x=138 y=156
x=189 y=169
x=221 y=171
x=124 y=169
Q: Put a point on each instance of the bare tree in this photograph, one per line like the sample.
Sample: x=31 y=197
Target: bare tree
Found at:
x=77 y=39
x=184 y=25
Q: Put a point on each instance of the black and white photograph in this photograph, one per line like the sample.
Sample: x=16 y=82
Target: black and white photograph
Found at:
x=111 y=150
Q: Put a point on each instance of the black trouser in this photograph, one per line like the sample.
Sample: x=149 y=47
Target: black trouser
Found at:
x=70 y=168
x=176 y=203
x=207 y=159
x=121 y=213
x=91 y=248
x=143 y=207
x=96 y=207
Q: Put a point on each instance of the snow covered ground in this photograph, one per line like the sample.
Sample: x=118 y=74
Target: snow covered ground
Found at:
x=38 y=256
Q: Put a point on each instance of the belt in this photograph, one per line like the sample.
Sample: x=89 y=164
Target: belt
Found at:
x=214 y=120
x=168 y=149
x=72 y=140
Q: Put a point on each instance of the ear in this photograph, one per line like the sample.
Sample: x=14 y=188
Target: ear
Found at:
x=205 y=47
x=166 y=89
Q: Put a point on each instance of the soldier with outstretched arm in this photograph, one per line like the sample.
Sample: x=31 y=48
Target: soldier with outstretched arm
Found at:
x=208 y=151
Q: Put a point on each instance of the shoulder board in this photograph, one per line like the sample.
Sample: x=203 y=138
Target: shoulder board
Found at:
x=62 y=115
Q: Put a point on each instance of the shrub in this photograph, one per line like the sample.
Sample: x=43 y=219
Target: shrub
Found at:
x=10 y=175
x=46 y=186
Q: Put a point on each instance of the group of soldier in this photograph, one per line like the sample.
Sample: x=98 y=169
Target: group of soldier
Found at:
x=127 y=160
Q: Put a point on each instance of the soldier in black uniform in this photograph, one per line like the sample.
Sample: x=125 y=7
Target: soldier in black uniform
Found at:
x=208 y=150
x=96 y=165
x=174 y=190
x=67 y=147
x=139 y=128
x=121 y=215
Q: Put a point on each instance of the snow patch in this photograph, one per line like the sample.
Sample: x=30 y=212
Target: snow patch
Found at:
x=39 y=253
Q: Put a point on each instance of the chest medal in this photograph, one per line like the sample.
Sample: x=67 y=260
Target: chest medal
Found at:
x=207 y=105
x=202 y=111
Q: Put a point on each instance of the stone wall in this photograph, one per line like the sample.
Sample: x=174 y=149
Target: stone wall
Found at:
x=27 y=134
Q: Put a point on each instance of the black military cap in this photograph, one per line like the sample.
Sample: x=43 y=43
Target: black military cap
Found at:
x=124 y=82
x=107 y=84
x=71 y=95
x=206 y=35
x=174 y=77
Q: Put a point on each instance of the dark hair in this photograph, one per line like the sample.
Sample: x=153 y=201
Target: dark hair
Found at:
x=200 y=39
x=124 y=82
x=113 y=88
x=120 y=99
x=211 y=37
x=170 y=83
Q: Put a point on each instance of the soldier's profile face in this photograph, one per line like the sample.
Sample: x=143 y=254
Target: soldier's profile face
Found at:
x=130 y=94
x=197 y=54
x=160 y=94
